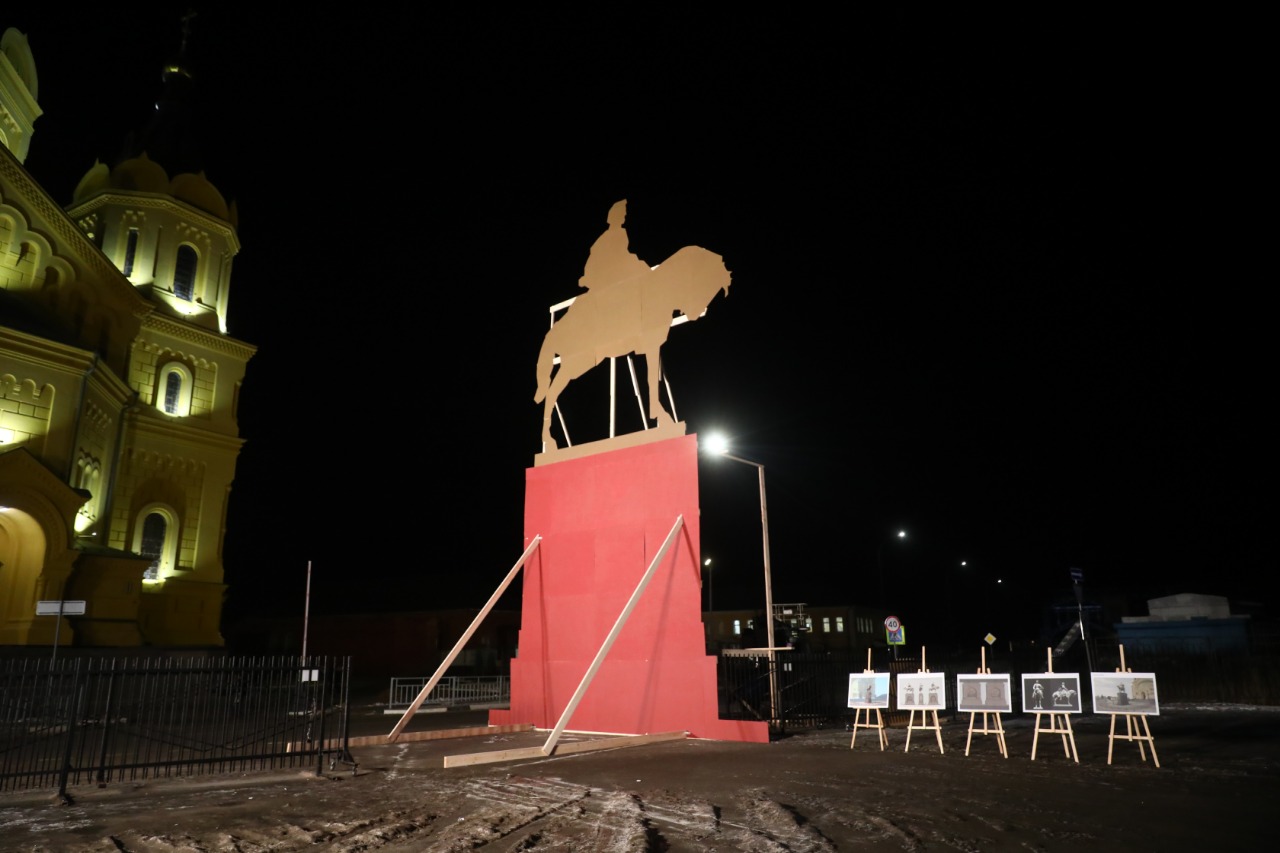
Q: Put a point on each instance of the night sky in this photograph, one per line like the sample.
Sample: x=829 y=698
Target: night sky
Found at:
x=972 y=294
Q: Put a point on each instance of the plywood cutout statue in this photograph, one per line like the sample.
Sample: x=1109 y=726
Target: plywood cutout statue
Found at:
x=628 y=308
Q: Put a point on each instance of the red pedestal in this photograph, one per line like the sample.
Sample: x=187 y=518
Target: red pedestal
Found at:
x=603 y=519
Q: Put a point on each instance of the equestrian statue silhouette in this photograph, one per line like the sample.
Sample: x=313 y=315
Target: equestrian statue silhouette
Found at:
x=628 y=308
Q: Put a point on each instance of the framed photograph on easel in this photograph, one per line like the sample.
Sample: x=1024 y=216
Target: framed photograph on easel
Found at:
x=1051 y=693
x=869 y=690
x=922 y=691
x=1125 y=693
x=983 y=693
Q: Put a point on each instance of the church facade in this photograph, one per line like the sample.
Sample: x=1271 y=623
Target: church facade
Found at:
x=118 y=385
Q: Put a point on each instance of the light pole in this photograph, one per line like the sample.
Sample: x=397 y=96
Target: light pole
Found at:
x=718 y=446
x=902 y=534
x=711 y=585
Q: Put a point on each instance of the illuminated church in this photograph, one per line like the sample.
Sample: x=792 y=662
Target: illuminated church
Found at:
x=118 y=383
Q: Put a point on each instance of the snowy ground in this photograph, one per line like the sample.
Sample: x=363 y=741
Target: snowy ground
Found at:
x=1217 y=787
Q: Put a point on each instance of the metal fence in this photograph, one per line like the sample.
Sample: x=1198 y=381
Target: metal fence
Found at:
x=812 y=689
x=93 y=721
x=471 y=691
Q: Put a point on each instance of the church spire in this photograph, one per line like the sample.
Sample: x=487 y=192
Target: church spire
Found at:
x=172 y=136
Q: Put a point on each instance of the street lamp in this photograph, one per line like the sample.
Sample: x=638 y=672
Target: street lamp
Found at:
x=719 y=446
x=711 y=585
x=902 y=534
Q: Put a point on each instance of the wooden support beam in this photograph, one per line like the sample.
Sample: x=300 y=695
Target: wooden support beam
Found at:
x=578 y=747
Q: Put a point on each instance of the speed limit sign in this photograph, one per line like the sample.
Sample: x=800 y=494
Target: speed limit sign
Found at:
x=894 y=635
x=891 y=623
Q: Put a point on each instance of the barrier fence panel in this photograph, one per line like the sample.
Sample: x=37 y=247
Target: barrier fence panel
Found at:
x=472 y=691
x=101 y=720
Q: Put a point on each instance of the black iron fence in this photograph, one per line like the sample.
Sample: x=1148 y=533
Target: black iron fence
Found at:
x=93 y=721
x=812 y=689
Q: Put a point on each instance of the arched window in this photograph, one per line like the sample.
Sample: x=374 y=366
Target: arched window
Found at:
x=173 y=389
x=155 y=535
x=154 y=527
x=184 y=273
x=130 y=251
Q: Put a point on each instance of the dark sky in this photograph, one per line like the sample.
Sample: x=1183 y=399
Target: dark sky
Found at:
x=970 y=295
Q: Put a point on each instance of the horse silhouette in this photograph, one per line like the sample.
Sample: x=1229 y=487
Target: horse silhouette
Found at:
x=630 y=316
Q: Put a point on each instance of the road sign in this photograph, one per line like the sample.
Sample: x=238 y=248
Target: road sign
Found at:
x=990 y=638
x=891 y=623
x=1077 y=575
x=54 y=608
x=894 y=633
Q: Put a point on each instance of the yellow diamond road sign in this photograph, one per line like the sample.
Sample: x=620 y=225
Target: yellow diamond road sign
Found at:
x=990 y=638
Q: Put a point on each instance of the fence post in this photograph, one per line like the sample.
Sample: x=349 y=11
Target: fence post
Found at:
x=73 y=713
x=106 y=727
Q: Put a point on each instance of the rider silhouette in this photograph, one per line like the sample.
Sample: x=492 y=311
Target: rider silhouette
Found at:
x=611 y=259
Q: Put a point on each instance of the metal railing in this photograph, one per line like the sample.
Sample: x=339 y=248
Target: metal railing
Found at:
x=473 y=691
x=98 y=720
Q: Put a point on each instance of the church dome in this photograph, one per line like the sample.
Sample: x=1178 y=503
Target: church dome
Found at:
x=96 y=180
x=196 y=191
x=140 y=174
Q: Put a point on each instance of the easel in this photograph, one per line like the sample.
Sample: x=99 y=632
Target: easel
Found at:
x=986 y=729
x=1055 y=726
x=936 y=728
x=878 y=725
x=1131 y=729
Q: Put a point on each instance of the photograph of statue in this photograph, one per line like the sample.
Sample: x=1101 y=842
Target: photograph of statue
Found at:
x=1124 y=693
x=922 y=690
x=1051 y=692
x=869 y=690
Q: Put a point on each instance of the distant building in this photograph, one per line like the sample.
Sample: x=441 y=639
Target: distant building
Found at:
x=1186 y=623
x=118 y=382
x=816 y=629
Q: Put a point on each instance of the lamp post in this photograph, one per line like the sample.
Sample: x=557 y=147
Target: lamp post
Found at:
x=902 y=534
x=719 y=447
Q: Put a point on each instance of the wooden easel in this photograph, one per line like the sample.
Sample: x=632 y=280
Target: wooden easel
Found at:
x=936 y=728
x=1055 y=727
x=866 y=723
x=1132 y=732
x=986 y=729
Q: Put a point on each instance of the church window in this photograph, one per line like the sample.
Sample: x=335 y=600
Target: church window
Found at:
x=155 y=535
x=184 y=273
x=130 y=251
x=173 y=393
x=172 y=388
x=154 y=527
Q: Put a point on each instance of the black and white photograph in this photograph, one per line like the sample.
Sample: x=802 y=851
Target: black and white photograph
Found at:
x=1051 y=693
x=1125 y=693
x=983 y=692
x=922 y=691
x=869 y=690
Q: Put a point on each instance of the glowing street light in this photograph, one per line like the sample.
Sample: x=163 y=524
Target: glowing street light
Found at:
x=711 y=585
x=718 y=445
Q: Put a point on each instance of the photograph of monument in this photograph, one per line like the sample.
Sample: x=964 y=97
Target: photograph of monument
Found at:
x=1125 y=693
x=1051 y=693
x=869 y=690
x=985 y=692
x=922 y=691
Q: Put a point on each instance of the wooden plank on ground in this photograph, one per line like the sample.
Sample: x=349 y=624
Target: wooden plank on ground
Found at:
x=408 y=737
x=620 y=742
